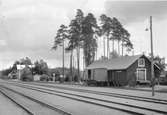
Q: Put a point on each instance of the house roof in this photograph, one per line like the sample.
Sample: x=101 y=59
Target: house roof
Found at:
x=116 y=63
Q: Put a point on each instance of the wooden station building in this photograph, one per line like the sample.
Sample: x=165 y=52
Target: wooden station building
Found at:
x=121 y=71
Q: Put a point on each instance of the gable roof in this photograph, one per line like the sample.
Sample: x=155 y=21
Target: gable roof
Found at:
x=116 y=63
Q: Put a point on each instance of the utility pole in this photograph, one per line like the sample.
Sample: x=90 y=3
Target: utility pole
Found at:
x=152 y=57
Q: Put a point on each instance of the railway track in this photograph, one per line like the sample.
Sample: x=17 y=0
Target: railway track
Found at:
x=138 y=98
x=30 y=105
x=27 y=111
x=133 y=109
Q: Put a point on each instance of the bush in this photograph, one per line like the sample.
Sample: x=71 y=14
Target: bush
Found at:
x=44 y=77
x=75 y=78
x=67 y=79
x=4 y=77
x=27 y=78
x=26 y=75
x=163 y=83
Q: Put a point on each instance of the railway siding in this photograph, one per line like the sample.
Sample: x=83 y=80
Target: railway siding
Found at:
x=8 y=107
x=32 y=106
x=76 y=106
x=115 y=103
x=121 y=102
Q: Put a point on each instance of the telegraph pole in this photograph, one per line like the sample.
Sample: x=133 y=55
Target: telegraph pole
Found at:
x=152 y=57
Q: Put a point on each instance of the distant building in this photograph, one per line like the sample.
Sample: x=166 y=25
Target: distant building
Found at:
x=36 y=77
x=121 y=71
x=22 y=67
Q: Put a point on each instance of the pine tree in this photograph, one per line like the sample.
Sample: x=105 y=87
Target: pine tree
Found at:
x=62 y=34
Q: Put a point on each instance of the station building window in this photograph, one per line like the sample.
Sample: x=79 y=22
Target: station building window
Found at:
x=141 y=62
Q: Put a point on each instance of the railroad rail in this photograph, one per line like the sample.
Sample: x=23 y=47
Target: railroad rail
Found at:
x=17 y=103
x=96 y=101
x=26 y=102
x=125 y=88
x=138 y=98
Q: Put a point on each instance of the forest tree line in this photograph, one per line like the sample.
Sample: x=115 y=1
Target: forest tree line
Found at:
x=82 y=34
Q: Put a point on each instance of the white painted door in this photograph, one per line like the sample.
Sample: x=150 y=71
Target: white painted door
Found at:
x=141 y=74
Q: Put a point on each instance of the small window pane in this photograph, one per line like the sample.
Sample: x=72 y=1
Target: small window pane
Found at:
x=141 y=62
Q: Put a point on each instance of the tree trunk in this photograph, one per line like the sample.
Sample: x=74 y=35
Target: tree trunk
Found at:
x=122 y=49
x=71 y=65
x=113 y=45
x=96 y=51
x=74 y=66
x=104 y=46
x=95 y=57
x=84 y=65
x=107 y=47
x=63 y=59
x=85 y=50
x=78 y=62
x=108 y=52
x=118 y=48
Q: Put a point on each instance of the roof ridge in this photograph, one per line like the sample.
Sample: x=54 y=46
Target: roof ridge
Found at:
x=122 y=62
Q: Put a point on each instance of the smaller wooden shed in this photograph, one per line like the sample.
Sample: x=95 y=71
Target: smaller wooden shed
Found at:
x=122 y=70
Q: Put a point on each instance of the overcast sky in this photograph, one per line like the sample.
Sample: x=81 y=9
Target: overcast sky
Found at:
x=28 y=27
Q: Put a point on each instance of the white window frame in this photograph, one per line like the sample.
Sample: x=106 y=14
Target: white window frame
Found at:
x=145 y=78
x=143 y=62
